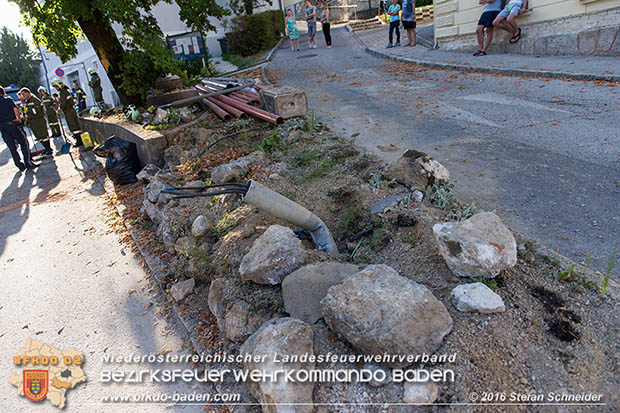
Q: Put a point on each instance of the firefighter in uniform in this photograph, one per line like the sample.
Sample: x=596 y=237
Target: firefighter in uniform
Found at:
x=50 y=111
x=65 y=101
x=95 y=85
x=35 y=118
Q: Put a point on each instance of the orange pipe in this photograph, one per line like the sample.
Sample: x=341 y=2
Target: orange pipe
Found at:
x=256 y=112
x=229 y=108
x=221 y=113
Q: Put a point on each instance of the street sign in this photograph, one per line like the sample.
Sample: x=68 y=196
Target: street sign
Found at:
x=187 y=46
x=59 y=72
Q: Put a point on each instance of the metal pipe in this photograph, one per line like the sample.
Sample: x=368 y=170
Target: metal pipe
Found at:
x=250 y=99
x=194 y=99
x=259 y=113
x=239 y=114
x=281 y=207
x=241 y=97
x=221 y=113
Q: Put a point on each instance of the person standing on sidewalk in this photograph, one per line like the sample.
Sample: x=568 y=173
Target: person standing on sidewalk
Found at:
x=507 y=18
x=291 y=29
x=10 y=118
x=49 y=103
x=66 y=103
x=311 y=20
x=485 y=24
x=408 y=17
x=325 y=25
x=35 y=116
x=95 y=85
x=394 y=13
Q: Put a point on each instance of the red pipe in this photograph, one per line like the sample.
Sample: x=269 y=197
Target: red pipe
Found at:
x=249 y=99
x=221 y=113
x=241 y=98
x=256 y=112
x=229 y=108
x=251 y=94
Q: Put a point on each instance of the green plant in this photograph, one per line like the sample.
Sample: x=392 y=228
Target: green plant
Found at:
x=380 y=238
x=458 y=213
x=256 y=32
x=566 y=275
x=441 y=194
x=226 y=224
x=412 y=237
x=489 y=282
x=271 y=142
x=237 y=60
x=313 y=124
x=611 y=262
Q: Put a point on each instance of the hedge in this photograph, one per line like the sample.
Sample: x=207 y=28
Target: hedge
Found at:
x=255 y=32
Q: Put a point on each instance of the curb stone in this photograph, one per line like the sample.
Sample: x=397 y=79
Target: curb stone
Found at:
x=485 y=69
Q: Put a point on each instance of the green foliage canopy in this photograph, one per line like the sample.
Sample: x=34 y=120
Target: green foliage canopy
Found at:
x=132 y=60
x=18 y=63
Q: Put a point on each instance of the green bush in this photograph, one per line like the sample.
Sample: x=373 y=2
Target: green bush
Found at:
x=256 y=32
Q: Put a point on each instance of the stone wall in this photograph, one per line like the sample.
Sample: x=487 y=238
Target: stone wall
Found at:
x=150 y=144
x=591 y=33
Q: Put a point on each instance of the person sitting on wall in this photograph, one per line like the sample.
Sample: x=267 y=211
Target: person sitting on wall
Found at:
x=485 y=24
x=507 y=18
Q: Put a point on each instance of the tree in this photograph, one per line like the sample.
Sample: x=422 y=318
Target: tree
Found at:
x=19 y=65
x=133 y=59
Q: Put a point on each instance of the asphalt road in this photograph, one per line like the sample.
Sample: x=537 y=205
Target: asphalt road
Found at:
x=544 y=154
x=69 y=282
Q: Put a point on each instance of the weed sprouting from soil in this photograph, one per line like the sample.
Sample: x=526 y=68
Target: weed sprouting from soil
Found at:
x=489 y=282
x=610 y=266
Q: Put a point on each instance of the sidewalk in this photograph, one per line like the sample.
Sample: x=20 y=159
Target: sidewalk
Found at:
x=572 y=67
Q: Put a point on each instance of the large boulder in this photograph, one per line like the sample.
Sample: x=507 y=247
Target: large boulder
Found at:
x=416 y=170
x=380 y=312
x=273 y=256
x=477 y=298
x=304 y=289
x=478 y=247
x=238 y=313
x=236 y=169
x=281 y=337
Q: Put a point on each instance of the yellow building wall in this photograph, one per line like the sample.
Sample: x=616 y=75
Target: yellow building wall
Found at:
x=460 y=17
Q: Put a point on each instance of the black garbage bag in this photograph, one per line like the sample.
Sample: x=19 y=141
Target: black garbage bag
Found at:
x=122 y=162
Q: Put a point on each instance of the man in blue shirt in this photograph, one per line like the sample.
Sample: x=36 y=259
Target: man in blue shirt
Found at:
x=13 y=135
x=489 y=13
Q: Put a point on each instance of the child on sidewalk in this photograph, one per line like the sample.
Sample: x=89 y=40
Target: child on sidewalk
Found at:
x=291 y=30
x=506 y=19
x=394 y=13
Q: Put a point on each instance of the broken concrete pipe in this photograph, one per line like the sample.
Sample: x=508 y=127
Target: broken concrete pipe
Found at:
x=281 y=207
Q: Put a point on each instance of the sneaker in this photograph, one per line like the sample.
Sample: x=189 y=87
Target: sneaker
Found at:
x=397 y=44
x=298 y=50
x=389 y=46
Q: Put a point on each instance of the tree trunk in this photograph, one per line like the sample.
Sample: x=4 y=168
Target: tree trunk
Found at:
x=102 y=37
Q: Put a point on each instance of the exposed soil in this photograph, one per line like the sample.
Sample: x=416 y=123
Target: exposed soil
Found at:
x=553 y=337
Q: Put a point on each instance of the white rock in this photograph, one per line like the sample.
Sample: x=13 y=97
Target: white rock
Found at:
x=380 y=312
x=182 y=289
x=237 y=168
x=481 y=246
x=304 y=289
x=282 y=337
x=416 y=169
x=420 y=392
x=273 y=256
x=201 y=226
x=147 y=173
x=477 y=298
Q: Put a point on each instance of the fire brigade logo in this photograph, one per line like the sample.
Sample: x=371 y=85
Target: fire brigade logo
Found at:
x=36 y=384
